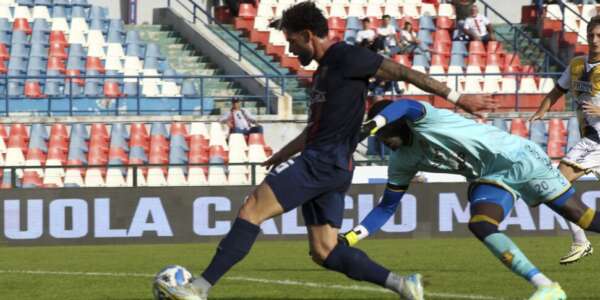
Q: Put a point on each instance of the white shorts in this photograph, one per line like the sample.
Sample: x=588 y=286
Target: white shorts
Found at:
x=585 y=155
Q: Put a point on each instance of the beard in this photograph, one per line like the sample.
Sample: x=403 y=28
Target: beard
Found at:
x=305 y=58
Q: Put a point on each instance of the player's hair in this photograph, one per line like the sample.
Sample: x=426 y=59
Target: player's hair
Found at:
x=303 y=16
x=378 y=107
x=391 y=128
x=594 y=21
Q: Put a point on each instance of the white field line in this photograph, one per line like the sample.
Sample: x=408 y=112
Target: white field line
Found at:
x=257 y=280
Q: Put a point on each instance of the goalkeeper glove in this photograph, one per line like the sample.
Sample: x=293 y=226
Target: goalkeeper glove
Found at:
x=352 y=237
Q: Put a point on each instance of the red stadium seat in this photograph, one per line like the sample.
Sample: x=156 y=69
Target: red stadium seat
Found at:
x=444 y=23
x=31 y=179
x=476 y=47
x=19 y=130
x=98 y=130
x=59 y=130
x=57 y=50
x=58 y=37
x=36 y=154
x=512 y=59
x=56 y=63
x=77 y=79
x=439 y=60
x=441 y=49
x=58 y=142
x=217 y=151
x=556 y=150
x=139 y=129
x=139 y=141
x=57 y=154
x=443 y=37
x=112 y=89
x=256 y=139
x=494 y=47
x=336 y=23
x=247 y=11
x=21 y=24
x=33 y=89
x=94 y=63
x=4 y=52
x=15 y=141
x=118 y=153
x=475 y=60
x=3 y=68
x=493 y=60
x=518 y=127
x=178 y=128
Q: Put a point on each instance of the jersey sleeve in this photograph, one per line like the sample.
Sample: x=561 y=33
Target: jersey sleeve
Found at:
x=564 y=82
x=360 y=62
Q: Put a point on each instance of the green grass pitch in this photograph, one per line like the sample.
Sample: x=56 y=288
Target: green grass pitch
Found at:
x=454 y=269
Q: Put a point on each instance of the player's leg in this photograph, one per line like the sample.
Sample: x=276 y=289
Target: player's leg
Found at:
x=581 y=246
x=576 y=211
x=323 y=217
x=489 y=206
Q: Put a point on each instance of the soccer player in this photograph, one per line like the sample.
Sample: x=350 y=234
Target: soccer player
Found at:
x=501 y=167
x=319 y=177
x=584 y=157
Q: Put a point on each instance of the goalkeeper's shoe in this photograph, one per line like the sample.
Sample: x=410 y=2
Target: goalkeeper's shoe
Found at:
x=550 y=292
x=577 y=252
x=412 y=288
x=183 y=292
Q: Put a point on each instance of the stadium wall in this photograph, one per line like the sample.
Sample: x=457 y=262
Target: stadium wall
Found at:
x=199 y=214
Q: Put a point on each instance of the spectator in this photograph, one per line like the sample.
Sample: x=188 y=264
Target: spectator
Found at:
x=366 y=36
x=463 y=10
x=408 y=39
x=240 y=120
x=388 y=37
x=478 y=27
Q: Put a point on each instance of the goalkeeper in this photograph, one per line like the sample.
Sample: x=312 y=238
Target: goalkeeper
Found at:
x=501 y=167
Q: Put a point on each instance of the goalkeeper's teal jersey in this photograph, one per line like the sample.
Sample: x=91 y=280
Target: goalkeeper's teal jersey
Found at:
x=445 y=142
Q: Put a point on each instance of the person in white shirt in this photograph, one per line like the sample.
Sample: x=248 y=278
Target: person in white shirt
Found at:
x=240 y=120
x=408 y=39
x=366 y=36
x=387 y=36
x=478 y=27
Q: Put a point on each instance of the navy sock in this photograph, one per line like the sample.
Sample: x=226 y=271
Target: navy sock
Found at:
x=356 y=265
x=232 y=249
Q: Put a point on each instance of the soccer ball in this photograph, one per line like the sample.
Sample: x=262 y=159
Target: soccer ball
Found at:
x=173 y=275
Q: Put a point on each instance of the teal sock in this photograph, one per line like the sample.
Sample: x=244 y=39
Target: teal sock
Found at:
x=510 y=254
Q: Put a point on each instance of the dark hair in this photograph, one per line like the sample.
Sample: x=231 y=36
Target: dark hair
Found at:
x=386 y=17
x=235 y=100
x=594 y=21
x=393 y=128
x=303 y=16
x=366 y=20
x=378 y=107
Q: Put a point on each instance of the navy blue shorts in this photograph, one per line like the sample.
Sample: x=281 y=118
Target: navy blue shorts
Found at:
x=319 y=187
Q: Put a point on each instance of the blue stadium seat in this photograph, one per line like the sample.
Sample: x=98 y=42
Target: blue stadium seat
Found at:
x=19 y=37
x=573 y=134
x=61 y=3
x=114 y=36
x=41 y=25
x=38 y=130
x=353 y=23
x=52 y=88
x=159 y=128
x=420 y=60
x=77 y=50
x=538 y=134
x=79 y=3
x=134 y=49
x=350 y=36
x=132 y=37
x=153 y=50
x=116 y=25
x=43 y=2
x=5 y=25
x=39 y=38
x=425 y=37
x=426 y=22
x=138 y=153
x=79 y=130
x=5 y=38
x=19 y=50
x=459 y=47
x=58 y=11
x=500 y=123
x=25 y=2
x=96 y=24
x=92 y=88
x=78 y=12
x=97 y=13
x=457 y=60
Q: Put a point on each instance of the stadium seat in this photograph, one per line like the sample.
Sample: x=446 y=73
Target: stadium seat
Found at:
x=518 y=127
x=553 y=12
x=356 y=9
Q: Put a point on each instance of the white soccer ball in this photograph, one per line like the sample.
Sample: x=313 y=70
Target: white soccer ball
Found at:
x=173 y=275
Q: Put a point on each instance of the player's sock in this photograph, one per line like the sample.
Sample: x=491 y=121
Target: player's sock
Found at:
x=394 y=282
x=202 y=284
x=590 y=220
x=539 y=280
x=231 y=250
x=510 y=254
x=579 y=236
x=356 y=265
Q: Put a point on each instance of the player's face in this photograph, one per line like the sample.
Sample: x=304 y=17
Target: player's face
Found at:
x=390 y=140
x=301 y=46
x=594 y=41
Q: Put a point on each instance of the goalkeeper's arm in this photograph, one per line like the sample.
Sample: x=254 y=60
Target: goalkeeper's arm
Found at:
x=378 y=216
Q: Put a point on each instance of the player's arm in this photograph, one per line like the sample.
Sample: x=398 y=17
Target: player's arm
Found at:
x=390 y=70
x=408 y=109
x=293 y=147
x=378 y=216
x=548 y=101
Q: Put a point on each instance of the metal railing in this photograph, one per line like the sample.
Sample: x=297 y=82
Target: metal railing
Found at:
x=13 y=175
x=519 y=36
x=195 y=9
x=563 y=7
x=137 y=100
x=139 y=104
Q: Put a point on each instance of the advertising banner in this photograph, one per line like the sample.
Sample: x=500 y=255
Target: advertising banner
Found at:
x=198 y=214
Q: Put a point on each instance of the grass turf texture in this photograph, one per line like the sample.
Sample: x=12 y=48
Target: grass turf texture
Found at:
x=451 y=266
